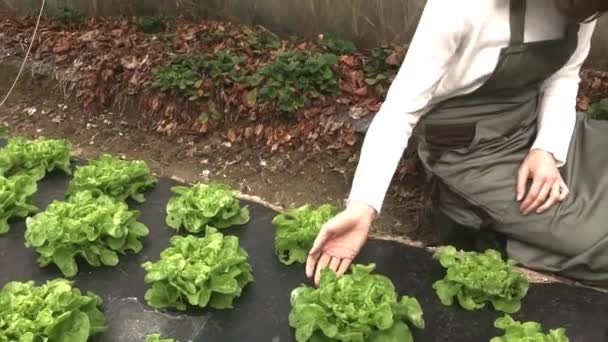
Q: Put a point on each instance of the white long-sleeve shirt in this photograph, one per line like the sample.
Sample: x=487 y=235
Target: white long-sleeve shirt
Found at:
x=454 y=51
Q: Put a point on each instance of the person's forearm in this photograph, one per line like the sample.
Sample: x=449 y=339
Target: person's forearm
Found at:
x=410 y=96
x=556 y=122
x=557 y=112
x=382 y=149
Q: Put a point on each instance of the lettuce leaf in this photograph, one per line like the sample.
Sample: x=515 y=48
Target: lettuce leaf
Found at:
x=357 y=307
x=209 y=271
x=474 y=279
x=204 y=204
x=34 y=158
x=296 y=230
x=96 y=229
x=54 y=311
x=526 y=332
x=114 y=177
x=157 y=338
x=15 y=199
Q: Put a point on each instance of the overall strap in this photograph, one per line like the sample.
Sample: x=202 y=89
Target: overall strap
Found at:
x=517 y=21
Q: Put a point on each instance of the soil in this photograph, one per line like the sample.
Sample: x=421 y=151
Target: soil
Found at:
x=41 y=106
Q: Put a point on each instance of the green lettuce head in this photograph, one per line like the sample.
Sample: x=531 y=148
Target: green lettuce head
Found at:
x=357 y=307
x=204 y=272
x=54 y=311
x=474 y=279
x=34 y=158
x=196 y=207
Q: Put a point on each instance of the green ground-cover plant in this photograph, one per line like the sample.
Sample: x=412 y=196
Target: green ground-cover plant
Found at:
x=515 y=331
x=296 y=230
x=53 y=312
x=356 y=307
x=222 y=66
x=120 y=179
x=151 y=24
x=180 y=77
x=475 y=279
x=16 y=199
x=598 y=110
x=34 y=158
x=196 y=207
x=95 y=228
x=186 y=75
x=378 y=73
x=296 y=79
x=261 y=42
x=202 y=272
x=67 y=15
x=337 y=45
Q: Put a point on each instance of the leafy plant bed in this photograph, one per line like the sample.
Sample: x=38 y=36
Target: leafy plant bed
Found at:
x=117 y=58
x=190 y=77
x=411 y=270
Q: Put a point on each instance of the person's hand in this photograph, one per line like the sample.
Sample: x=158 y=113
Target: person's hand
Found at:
x=547 y=186
x=340 y=240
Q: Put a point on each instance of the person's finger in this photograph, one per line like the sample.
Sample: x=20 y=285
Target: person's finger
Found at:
x=553 y=198
x=522 y=179
x=564 y=191
x=540 y=197
x=315 y=252
x=334 y=263
x=344 y=266
x=321 y=265
x=533 y=192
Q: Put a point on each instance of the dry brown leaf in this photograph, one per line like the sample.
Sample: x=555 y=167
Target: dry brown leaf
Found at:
x=129 y=63
x=155 y=103
x=259 y=129
x=190 y=34
x=62 y=45
x=349 y=60
x=106 y=74
x=248 y=133
x=395 y=58
x=231 y=135
x=89 y=36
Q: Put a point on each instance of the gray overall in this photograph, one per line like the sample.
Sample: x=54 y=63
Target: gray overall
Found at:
x=473 y=146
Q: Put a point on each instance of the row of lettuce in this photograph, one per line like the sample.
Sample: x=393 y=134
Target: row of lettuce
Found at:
x=204 y=267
